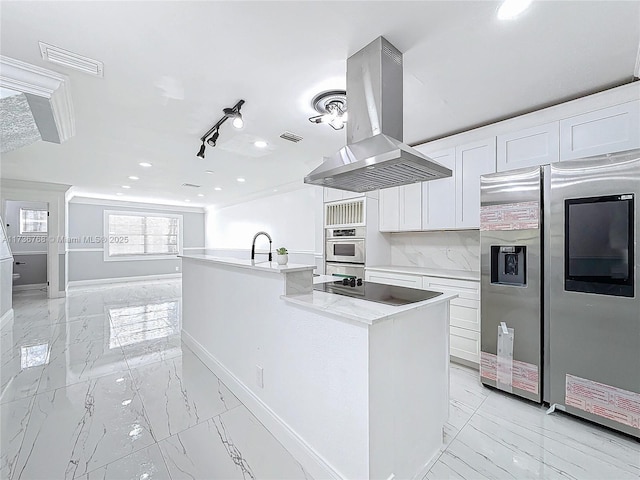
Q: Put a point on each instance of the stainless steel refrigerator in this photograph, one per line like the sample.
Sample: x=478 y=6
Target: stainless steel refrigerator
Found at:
x=512 y=287
x=594 y=324
x=560 y=303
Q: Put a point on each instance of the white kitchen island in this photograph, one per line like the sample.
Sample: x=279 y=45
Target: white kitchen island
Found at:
x=353 y=389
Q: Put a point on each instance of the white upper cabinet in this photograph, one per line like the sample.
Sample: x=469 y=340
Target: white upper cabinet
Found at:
x=410 y=199
x=439 y=196
x=333 y=195
x=472 y=160
x=400 y=208
x=608 y=130
x=528 y=147
x=389 y=209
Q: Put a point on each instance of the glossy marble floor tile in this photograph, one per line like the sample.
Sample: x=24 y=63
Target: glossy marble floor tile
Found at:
x=191 y=394
x=99 y=386
x=492 y=435
x=233 y=445
x=145 y=464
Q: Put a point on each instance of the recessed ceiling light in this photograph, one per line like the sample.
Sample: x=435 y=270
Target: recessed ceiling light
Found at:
x=145 y=164
x=119 y=193
x=275 y=189
x=210 y=172
x=133 y=177
x=240 y=179
x=187 y=200
x=510 y=9
x=260 y=144
x=201 y=194
x=217 y=189
x=126 y=186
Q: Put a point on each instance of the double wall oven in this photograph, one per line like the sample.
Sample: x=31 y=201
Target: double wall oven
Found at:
x=345 y=251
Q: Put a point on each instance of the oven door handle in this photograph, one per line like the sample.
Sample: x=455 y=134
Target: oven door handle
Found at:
x=343 y=275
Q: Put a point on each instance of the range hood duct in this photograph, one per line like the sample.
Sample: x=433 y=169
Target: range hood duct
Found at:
x=374 y=157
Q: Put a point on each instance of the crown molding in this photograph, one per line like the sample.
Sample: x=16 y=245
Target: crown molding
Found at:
x=32 y=80
x=85 y=200
x=10 y=183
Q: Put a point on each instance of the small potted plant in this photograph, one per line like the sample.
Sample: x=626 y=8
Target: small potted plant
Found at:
x=281 y=256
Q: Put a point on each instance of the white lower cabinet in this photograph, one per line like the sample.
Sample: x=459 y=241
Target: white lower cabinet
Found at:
x=399 y=279
x=464 y=311
x=464 y=315
x=464 y=344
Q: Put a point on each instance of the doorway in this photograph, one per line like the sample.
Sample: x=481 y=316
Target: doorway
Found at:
x=27 y=227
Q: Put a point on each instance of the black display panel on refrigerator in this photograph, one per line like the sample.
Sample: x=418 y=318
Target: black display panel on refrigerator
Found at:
x=598 y=245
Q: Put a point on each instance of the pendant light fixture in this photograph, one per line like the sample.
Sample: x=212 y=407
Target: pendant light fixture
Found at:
x=214 y=132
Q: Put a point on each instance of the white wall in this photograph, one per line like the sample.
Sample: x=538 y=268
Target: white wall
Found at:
x=453 y=250
x=293 y=220
x=86 y=259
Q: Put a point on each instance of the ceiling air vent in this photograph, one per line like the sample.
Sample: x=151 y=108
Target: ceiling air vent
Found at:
x=71 y=60
x=190 y=185
x=291 y=137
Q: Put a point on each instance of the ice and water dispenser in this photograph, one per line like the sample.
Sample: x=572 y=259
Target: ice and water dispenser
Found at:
x=509 y=265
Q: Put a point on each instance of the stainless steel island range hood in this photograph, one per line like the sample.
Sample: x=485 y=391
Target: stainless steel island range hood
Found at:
x=374 y=156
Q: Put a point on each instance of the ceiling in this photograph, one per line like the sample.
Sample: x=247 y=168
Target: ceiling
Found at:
x=171 y=67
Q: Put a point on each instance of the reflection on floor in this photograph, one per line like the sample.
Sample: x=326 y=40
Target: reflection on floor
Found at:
x=99 y=385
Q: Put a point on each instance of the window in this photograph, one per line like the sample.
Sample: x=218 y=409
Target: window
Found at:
x=132 y=234
x=33 y=221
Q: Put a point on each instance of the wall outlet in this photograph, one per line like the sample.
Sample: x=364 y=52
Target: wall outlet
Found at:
x=259 y=376
x=177 y=269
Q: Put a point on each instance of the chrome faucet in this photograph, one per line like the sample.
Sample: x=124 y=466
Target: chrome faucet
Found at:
x=253 y=245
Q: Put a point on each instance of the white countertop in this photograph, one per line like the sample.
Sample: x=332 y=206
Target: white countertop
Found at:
x=431 y=272
x=357 y=309
x=264 y=266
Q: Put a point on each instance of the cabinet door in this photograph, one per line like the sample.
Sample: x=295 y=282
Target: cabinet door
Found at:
x=389 y=209
x=472 y=161
x=410 y=199
x=529 y=147
x=332 y=195
x=439 y=196
x=608 y=130
x=346 y=195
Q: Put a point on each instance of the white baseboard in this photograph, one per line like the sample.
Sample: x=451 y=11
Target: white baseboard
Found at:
x=102 y=281
x=34 y=286
x=311 y=460
x=6 y=318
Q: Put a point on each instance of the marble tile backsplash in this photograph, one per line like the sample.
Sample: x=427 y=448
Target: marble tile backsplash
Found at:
x=453 y=250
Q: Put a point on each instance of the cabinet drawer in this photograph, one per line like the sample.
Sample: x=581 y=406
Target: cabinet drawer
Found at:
x=465 y=314
x=465 y=344
x=399 y=279
x=464 y=288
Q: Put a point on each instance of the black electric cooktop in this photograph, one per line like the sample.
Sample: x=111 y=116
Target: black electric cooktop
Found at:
x=377 y=292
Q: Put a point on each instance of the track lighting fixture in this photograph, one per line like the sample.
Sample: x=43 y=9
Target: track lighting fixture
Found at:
x=214 y=132
x=236 y=115
x=214 y=138
x=201 y=151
